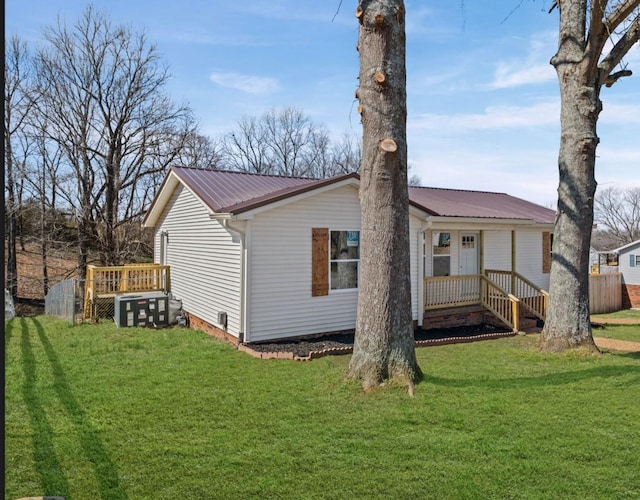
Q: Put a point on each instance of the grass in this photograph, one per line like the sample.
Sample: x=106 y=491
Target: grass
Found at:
x=620 y=332
x=624 y=314
x=93 y=411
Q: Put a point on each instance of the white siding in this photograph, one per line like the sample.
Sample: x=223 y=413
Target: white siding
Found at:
x=529 y=257
x=205 y=262
x=630 y=274
x=497 y=250
x=280 y=301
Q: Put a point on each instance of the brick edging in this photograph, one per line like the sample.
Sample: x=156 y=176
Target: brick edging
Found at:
x=348 y=350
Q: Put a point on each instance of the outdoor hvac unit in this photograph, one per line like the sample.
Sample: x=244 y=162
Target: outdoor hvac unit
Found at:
x=142 y=310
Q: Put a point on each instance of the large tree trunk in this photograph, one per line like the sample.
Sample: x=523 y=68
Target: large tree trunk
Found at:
x=568 y=325
x=384 y=347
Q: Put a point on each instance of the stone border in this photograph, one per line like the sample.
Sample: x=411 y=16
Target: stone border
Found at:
x=335 y=351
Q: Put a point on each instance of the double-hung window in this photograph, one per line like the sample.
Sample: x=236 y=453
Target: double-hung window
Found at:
x=344 y=259
x=441 y=253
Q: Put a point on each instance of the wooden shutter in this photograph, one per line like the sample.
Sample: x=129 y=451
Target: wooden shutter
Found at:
x=632 y=260
x=319 y=261
x=546 y=252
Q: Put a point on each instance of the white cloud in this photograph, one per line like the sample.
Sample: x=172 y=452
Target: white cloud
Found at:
x=251 y=84
x=532 y=69
x=495 y=117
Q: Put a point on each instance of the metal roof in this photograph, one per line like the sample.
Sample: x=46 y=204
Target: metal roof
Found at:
x=237 y=192
x=480 y=204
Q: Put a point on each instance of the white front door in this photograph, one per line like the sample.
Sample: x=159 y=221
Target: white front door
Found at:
x=469 y=253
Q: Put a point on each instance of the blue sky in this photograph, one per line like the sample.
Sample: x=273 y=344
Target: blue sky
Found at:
x=483 y=100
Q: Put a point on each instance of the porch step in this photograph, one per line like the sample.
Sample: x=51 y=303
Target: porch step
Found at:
x=529 y=325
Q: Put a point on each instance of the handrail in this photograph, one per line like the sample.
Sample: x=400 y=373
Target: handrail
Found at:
x=504 y=305
x=532 y=297
x=455 y=291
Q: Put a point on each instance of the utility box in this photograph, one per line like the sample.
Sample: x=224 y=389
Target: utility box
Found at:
x=150 y=309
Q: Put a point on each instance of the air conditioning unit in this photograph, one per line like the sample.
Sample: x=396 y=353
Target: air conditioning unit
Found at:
x=150 y=309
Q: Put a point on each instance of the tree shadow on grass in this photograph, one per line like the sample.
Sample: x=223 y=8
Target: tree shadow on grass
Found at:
x=52 y=478
x=92 y=446
x=553 y=379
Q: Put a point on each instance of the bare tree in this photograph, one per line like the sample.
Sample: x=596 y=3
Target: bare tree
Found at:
x=384 y=348
x=199 y=151
x=17 y=106
x=287 y=142
x=618 y=212
x=583 y=67
x=101 y=86
x=245 y=149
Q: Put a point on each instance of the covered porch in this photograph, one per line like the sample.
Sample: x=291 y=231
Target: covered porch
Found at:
x=484 y=273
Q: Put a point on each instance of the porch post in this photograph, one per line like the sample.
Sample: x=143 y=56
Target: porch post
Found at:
x=513 y=262
x=481 y=252
x=421 y=251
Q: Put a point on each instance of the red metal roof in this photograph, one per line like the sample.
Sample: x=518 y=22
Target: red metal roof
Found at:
x=461 y=203
x=237 y=192
x=222 y=190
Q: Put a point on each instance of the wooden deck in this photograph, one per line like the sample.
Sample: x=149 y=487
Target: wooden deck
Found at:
x=508 y=296
x=104 y=283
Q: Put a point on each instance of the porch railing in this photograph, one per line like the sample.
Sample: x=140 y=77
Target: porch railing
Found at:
x=532 y=298
x=502 y=304
x=508 y=295
x=475 y=289
x=107 y=282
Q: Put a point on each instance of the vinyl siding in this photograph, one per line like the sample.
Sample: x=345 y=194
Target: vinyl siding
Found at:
x=630 y=275
x=497 y=250
x=529 y=257
x=205 y=262
x=280 y=302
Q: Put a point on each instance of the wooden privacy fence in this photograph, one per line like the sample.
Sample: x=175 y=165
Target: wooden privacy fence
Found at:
x=605 y=292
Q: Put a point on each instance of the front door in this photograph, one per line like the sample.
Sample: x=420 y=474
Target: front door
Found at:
x=469 y=253
x=469 y=265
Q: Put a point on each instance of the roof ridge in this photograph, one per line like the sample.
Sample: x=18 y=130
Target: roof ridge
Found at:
x=460 y=190
x=253 y=174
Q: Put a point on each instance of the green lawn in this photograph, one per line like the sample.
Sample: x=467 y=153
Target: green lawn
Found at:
x=93 y=411
x=624 y=314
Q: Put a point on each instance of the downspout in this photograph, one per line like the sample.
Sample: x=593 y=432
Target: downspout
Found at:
x=243 y=335
x=513 y=262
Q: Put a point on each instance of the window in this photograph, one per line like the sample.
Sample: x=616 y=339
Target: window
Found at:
x=634 y=260
x=441 y=253
x=344 y=259
x=164 y=244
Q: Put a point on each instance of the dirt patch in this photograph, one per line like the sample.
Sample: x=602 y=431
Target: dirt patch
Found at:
x=617 y=345
x=342 y=342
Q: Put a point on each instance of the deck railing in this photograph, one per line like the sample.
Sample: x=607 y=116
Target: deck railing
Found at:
x=503 y=293
x=532 y=298
x=107 y=282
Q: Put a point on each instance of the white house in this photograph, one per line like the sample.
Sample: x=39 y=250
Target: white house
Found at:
x=629 y=267
x=255 y=258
